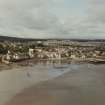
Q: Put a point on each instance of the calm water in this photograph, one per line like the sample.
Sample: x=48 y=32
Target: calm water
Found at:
x=15 y=80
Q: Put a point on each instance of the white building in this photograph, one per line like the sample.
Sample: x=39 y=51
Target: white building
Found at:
x=83 y=56
x=16 y=56
x=73 y=56
x=31 y=53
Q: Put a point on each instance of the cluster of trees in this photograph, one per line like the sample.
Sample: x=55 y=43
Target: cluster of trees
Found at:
x=3 y=50
x=22 y=48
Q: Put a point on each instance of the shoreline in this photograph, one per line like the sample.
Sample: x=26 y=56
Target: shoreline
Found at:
x=64 y=60
x=32 y=62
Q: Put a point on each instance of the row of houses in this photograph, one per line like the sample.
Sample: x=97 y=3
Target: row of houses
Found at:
x=51 y=50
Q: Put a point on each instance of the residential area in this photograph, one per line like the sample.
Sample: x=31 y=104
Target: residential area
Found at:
x=51 y=50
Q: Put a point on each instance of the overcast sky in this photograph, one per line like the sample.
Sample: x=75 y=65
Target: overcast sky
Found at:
x=53 y=18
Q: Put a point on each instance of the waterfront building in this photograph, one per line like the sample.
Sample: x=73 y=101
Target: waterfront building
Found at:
x=31 y=53
x=16 y=57
x=8 y=56
x=73 y=56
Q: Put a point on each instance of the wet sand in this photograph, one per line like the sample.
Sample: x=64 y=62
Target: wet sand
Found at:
x=15 y=80
x=84 y=85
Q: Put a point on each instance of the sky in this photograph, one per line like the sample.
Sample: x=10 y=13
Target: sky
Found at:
x=53 y=18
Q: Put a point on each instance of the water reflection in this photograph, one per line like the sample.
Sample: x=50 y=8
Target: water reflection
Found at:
x=28 y=74
x=32 y=72
x=54 y=63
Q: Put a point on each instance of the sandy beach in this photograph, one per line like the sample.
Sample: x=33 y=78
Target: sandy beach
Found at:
x=84 y=85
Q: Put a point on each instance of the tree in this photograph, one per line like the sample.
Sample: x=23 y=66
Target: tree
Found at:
x=3 y=50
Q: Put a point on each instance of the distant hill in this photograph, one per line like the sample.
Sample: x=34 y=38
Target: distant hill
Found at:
x=16 y=39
